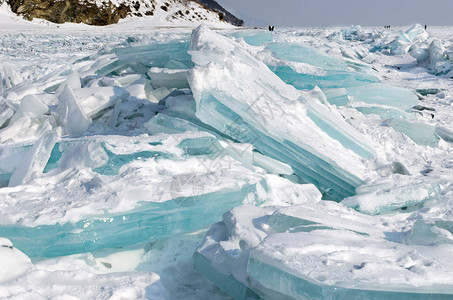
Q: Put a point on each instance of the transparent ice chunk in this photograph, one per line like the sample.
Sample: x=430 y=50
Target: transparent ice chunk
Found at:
x=405 y=40
x=71 y=115
x=255 y=39
x=5 y=114
x=30 y=106
x=168 y=78
x=417 y=33
x=436 y=55
x=430 y=232
x=383 y=95
x=94 y=100
x=73 y=82
x=420 y=133
x=35 y=160
x=306 y=67
x=321 y=249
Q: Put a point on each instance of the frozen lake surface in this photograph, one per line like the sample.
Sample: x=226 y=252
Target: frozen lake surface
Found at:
x=200 y=164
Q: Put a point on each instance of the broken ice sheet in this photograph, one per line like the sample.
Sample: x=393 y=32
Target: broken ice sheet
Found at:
x=332 y=263
x=116 y=165
x=186 y=192
x=319 y=249
x=231 y=105
x=71 y=277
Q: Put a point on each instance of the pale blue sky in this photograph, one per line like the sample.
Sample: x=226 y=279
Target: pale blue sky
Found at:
x=341 y=12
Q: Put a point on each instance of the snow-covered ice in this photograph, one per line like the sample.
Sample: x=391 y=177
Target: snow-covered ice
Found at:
x=127 y=155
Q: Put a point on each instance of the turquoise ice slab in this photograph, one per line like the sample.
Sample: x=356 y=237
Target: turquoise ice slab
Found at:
x=323 y=250
x=308 y=55
x=384 y=95
x=374 y=98
x=112 y=166
x=225 y=282
x=258 y=38
x=445 y=134
x=252 y=110
x=172 y=55
x=337 y=184
x=387 y=196
x=296 y=287
x=116 y=161
x=420 y=133
x=331 y=78
x=337 y=96
x=148 y=222
x=331 y=264
x=430 y=232
x=332 y=72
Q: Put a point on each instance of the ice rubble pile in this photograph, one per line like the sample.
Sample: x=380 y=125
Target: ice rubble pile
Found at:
x=141 y=142
x=300 y=131
x=349 y=80
x=322 y=250
x=188 y=166
x=344 y=81
x=317 y=249
x=433 y=56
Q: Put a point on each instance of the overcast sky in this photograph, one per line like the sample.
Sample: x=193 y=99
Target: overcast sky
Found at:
x=341 y=12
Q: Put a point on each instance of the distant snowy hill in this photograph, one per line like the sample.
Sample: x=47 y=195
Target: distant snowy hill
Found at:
x=105 y=12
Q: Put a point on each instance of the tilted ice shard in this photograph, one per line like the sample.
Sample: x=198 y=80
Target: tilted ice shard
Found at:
x=240 y=97
x=35 y=160
x=94 y=100
x=416 y=33
x=73 y=82
x=445 y=134
x=335 y=126
x=344 y=82
x=431 y=231
x=5 y=113
x=436 y=53
x=30 y=106
x=223 y=256
x=72 y=118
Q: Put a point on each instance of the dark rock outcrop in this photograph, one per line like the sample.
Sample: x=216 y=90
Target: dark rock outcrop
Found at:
x=70 y=11
x=88 y=12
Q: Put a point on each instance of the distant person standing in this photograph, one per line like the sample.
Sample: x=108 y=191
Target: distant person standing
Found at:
x=426 y=27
